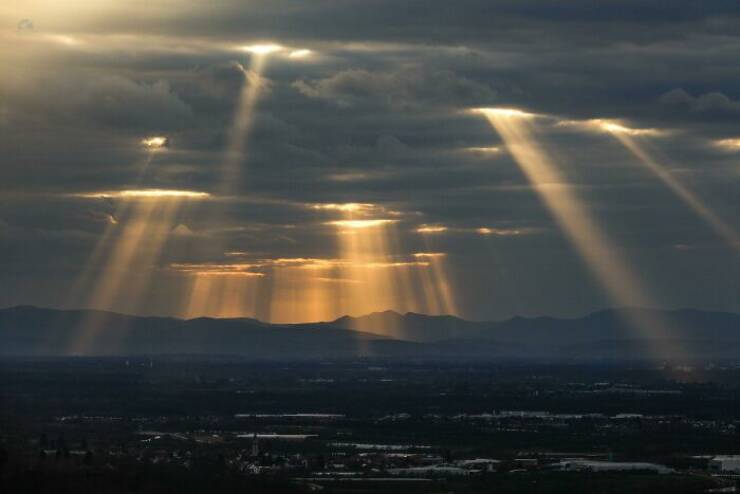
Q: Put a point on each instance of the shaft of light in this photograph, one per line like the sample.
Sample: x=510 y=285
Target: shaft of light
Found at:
x=222 y=295
x=231 y=296
x=436 y=281
x=722 y=229
x=124 y=274
x=579 y=226
x=242 y=124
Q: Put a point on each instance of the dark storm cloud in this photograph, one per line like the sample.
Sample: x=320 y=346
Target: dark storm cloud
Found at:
x=424 y=20
x=98 y=99
x=375 y=114
x=715 y=104
x=399 y=90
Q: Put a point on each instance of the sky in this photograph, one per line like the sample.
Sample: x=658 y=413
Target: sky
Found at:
x=297 y=161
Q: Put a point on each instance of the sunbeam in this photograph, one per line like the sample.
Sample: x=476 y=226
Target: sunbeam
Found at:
x=606 y=262
x=243 y=121
x=207 y=291
x=363 y=245
x=222 y=294
x=630 y=139
x=376 y=274
x=117 y=274
x=305 y=291
x=437 y=283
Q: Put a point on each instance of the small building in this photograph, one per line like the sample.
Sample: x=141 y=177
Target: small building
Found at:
x=526 y=463
x=483 y=464
x=441 y=470
x=725 y=464
x=610 y=466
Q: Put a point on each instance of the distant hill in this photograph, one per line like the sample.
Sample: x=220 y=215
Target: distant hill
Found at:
x=600 y=336
x=598 y=326
x=411 y=326
x=31 y=331
x=685 y=324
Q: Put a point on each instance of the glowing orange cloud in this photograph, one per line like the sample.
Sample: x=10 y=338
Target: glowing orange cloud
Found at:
x=154 y=143
x=613 y=126
x=360 y=224
x=503 y=232
x=155 y=194
x=263 y=49
x=483 y=149
x=730 y=144
x=431 y=229
x=301 y=53
x=353 y=207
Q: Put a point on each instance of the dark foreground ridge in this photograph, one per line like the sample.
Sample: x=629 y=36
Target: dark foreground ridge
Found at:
x=600 y=336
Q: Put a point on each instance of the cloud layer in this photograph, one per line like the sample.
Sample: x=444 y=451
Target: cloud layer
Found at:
x=375 y=114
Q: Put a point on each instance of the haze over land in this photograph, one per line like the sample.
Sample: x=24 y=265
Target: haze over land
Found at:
x=696 y=336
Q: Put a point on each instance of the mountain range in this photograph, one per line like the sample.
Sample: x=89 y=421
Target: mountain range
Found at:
x=601 y=336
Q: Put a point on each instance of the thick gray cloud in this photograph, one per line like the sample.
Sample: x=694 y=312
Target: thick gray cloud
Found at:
x=408 y=88
x=714 y=103
x=375 y=114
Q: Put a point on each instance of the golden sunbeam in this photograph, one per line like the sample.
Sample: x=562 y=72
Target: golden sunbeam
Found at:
x=364 y=250
x=296 y=295
x=405 y=278
x=208 y=290
x=719 y=226
x=82 y=285
x=301 y=294
x=244 y=115
x=135 y=253
x=219 y=290
x=127 y=200
x=573 y=217
x=730 y=144
x=370 y=254
x=133 y=210
x=437 y=282
x=127 y=254
x=222 y=294
x=301 y=289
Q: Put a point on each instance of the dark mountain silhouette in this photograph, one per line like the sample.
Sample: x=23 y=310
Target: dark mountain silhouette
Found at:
x=601 y=336
x=33 y=331
x=608 y=324
x=410 y=326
